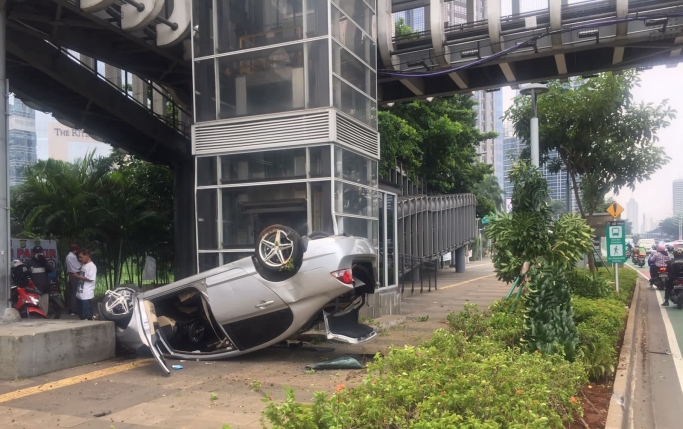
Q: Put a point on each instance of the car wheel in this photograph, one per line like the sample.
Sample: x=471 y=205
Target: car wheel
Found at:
x=279 y=248
x=118 y=304
x=679 y=301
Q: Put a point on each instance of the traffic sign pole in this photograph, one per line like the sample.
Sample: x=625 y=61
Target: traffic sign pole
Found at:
x=616 y=241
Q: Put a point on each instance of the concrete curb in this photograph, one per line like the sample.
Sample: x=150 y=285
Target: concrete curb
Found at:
x=384 y=323
x=619 y=413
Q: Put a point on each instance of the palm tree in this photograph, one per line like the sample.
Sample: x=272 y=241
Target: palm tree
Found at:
x=490 y=188
x=56 y=200
x=124 y=212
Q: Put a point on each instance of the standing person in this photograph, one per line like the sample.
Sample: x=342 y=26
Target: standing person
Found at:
x=72 y=268
x=40 y=267
x=86 y=287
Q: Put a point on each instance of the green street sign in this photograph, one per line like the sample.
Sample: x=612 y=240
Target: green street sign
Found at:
x=616 y=242
x=487 y=219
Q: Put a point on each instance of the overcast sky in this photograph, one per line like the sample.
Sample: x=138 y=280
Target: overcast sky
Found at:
x=654 y=197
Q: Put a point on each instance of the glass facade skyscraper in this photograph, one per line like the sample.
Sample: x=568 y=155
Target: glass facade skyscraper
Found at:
x=557 y=182
x=22 y=139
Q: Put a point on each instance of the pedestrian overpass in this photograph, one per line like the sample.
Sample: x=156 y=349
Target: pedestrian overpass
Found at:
x=169 y=81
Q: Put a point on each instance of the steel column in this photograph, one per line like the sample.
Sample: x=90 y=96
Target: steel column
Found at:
x=4 y=176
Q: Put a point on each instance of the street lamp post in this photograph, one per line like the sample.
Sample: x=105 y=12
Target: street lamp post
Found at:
x=533 y=89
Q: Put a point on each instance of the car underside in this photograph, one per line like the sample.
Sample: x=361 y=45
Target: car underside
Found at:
x=248 y=305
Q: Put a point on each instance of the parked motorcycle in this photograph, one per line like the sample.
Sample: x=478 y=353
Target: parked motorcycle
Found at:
x=26 y=300
x=54 y=311
x=677 y=293
x=25 y=297
x=660 y=280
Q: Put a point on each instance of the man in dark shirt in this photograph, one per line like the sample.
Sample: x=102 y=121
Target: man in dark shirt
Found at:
x=675 y=270
x=40 y=267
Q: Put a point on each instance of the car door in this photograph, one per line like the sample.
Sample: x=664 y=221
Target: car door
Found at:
x=249 y=311
x=147 y=326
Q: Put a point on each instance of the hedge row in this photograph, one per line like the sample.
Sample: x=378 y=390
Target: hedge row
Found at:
x=477 y=374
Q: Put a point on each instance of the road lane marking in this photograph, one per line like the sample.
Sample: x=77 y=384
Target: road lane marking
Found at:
x=22 y=393
x=466 y=281
x=671 y=337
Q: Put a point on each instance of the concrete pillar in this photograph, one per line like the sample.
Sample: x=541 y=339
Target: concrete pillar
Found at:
x=185 y=247
x=460 y=259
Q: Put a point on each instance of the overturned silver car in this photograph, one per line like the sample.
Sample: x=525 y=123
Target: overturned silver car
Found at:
x=290 y=285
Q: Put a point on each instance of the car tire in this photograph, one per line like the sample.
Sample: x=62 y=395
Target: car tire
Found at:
x=679 y=301
x=279 y=249
x=115 y=314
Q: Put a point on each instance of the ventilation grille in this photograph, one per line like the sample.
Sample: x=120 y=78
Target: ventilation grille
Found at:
x=357 y=137
x=261 y=133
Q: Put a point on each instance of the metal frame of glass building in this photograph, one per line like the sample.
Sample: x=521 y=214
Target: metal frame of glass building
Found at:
x=286 y=125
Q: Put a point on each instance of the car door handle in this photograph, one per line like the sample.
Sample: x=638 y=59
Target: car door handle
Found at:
x=264 y=304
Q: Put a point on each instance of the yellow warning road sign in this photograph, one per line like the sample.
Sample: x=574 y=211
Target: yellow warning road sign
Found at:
x=615 y=210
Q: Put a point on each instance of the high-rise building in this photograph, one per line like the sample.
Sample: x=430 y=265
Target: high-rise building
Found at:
x=678 y=197
x=632 y=215
x=489 y=108
x=557 y=182
x=22 y=139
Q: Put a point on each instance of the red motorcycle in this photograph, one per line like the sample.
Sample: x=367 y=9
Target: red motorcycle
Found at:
x=26 y=300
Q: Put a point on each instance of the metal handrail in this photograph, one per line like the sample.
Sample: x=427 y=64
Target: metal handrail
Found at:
x=171 y=120
x=423 y=265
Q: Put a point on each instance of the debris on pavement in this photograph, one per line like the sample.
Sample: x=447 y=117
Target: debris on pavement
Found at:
x=177 y=367
x=344 y=362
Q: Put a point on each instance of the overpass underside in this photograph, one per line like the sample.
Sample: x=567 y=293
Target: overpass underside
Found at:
x=459 y=46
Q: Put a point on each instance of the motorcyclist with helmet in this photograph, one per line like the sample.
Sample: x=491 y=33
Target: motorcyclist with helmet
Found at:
x=675 y=270
x=40 y=267
x=657 y=260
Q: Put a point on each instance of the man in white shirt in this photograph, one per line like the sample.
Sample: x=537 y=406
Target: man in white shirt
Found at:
x=86 y=287
x=72 y=268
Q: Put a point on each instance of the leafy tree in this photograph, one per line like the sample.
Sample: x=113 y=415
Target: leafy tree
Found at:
x=489 y=188
x=402 y=29
x=558 y=208
x=601 y=207
x=669 y=226
x=446 y=134
x=601 y=135
x=120 y=207
x=528 y=235
x=400 y=145
x=56 y=198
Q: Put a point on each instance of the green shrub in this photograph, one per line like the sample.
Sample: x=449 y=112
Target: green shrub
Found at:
x=588 y=285
x=497 y=324
x=599 y=322
x=550 y=326
x=447 y=382
x=627 y=283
